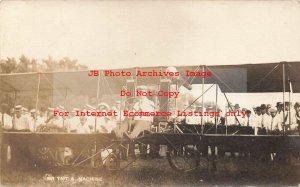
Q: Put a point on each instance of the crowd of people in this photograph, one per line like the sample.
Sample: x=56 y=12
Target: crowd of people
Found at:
x=263 y=119
x=23 y=120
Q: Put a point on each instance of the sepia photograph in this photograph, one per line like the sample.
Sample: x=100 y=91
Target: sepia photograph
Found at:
x=150 y=93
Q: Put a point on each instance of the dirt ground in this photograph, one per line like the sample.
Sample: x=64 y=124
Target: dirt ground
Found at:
x=157 y=172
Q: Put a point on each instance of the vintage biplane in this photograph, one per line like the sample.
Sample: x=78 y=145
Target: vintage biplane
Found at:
x=186 y=144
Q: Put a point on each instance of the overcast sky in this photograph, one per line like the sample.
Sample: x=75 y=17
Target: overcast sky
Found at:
x=114 y=34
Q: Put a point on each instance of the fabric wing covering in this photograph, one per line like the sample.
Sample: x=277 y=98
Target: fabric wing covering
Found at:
x=247 y=78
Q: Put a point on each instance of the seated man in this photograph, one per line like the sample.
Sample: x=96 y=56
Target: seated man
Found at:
x=105 y=124
x=140 y=122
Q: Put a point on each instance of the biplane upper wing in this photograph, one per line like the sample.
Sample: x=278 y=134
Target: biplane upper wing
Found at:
x=245 y=78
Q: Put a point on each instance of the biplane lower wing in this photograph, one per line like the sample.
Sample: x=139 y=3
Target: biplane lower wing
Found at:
x=56 y=139
x=266 y=143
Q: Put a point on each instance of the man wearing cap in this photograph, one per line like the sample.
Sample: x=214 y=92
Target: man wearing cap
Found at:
x=35 y=122
x=268 y=109
x=19 y=152
x=73 y=121
x=20 y=122
x=54 y=122
x=248 y=121
x=234 y=120
x=264 y=121
x=141 y=123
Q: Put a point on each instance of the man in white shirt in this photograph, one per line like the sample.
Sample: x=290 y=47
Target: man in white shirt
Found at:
x=54 y=122
x=34 y=122
x=233 y=119
x=141 y=123
x=20 y=122
x=105 y=124
x=249 y=120
x=73 y=121
x=83 y=127
x=265 y=120
x=209 y=120
x=275 y=123
x=91 y=120
x=5 y=119
x=192 y=120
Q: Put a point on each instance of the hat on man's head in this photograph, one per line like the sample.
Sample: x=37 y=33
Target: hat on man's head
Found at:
x=199 y=106
x=32 y=111
x=237 y=106
x=60 y=107
x=142 y=87
x=269 y=106
x=209 y=108
x=75 y=109
x=297 y=105
x=263 y=106
x=103 y=105
x=278 y=104
x=273 y=110
x=90 y=107
x=50 y=108
x=18 y=107
x=258 y=108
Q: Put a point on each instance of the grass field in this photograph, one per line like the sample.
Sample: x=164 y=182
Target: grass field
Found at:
x=157 y=172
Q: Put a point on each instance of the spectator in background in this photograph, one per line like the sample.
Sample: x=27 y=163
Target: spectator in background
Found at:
x=248 y=121
x=6 y=120
x=20 y=122
x=73 y=121
x=264 y=120
x=54 y=123
x=82 y=126
x=5 y=124
x=35 y=121
x=275 y=124
x=192 y=120
x=43 y=114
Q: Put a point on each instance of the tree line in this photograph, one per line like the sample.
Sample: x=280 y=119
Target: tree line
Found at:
x=25 y=64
